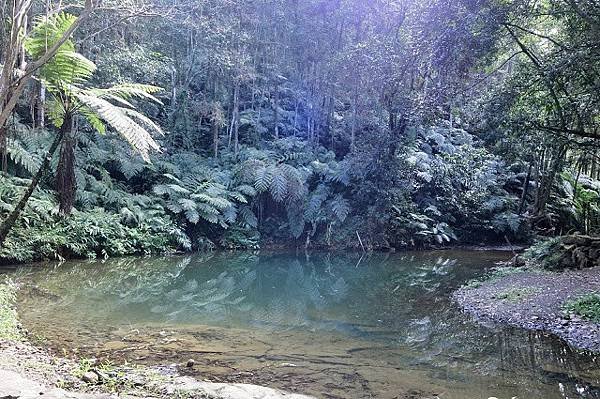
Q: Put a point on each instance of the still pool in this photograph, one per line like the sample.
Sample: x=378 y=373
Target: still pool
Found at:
x=333 y=325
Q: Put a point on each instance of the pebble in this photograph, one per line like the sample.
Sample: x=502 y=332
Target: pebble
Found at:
x=90 y=377
x=190 y=363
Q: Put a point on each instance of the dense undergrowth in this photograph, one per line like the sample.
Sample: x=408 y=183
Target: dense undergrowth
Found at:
x=451 y=190
x=447 y=189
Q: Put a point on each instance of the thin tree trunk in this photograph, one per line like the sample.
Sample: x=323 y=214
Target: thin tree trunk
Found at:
x=215 y=131
x=554 y=167
x=236 y=118
x=10 y=221
x=525 y=189
x=41 y=106
x=276 y=110
x=3 y=152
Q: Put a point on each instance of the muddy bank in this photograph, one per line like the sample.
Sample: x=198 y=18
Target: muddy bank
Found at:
x=534 y=300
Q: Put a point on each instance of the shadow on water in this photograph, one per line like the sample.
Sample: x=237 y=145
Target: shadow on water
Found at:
x=330 y=324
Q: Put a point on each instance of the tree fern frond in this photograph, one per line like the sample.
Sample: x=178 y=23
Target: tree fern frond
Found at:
x=278 y=187
x=137 y=136
x=130 y=90
x=67 y=65
x=264 y=179
x=340 y=207
x=93 y=120
x=139 y=117
x=23 y=157
x=248 y=217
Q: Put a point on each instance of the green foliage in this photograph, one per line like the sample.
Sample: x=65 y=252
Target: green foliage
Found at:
x=203 y=194
x=516 y=294
x=401 y=131
x=42 y=234
x=66 y=75
x=27 y=148
x=545 y=252
x=9 y=324
x=67 y=66
x=421 y=229
x=575 y=205
x=586 y=306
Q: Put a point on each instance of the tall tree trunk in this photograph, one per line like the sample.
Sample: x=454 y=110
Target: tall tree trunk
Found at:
x=9 y=222
x=3 y=152
x=66 y=184
x=41 y=114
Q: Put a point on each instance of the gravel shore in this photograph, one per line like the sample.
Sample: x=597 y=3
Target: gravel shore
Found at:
x=534 y=300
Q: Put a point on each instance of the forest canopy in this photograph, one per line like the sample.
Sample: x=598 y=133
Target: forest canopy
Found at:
x=142 y=126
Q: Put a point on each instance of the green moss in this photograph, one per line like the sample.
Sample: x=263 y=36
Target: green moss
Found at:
x=516 y=294
x=586 y=306
x=496 y=274
x=9 y=325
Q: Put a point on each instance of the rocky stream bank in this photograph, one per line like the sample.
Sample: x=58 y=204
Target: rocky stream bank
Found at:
x=28 y=372
x=535 y=300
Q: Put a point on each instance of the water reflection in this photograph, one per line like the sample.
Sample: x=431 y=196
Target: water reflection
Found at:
x=381 y=314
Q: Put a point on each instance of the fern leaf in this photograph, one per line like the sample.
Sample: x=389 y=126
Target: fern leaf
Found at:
x=138 y=137
x=278 y=187
x=340 y=207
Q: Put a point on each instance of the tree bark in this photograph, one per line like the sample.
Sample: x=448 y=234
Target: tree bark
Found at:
x=525 y=189
x=66 y=184
x=547 y=180
x=276 y=111
x=10 y=221
x=215 y=131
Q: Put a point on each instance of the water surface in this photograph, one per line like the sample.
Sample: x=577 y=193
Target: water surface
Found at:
x=333 y=325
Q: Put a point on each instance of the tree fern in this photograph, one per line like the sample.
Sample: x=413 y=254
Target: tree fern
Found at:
x=263 y=178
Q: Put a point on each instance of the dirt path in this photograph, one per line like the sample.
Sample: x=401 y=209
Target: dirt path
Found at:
x=534 y=300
